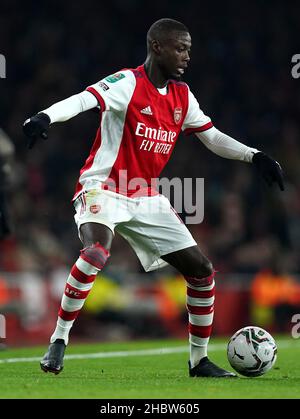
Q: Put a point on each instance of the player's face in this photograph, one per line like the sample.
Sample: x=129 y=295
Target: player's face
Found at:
x=175 y=54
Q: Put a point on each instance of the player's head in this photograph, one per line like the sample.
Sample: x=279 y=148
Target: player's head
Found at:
x=169 y=44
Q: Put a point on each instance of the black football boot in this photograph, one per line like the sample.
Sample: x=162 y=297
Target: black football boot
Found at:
x=206 y=368
x=53 y=359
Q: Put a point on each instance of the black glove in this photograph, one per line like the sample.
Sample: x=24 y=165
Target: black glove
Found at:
x=35 y=127
x=269 y=169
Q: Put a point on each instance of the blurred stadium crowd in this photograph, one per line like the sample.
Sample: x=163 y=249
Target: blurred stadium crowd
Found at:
x=240 y=73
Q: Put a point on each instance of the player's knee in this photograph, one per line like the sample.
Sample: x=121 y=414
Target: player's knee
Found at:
x=203 y=269
x=207 y=268
x=203 y=275
x=95 y=255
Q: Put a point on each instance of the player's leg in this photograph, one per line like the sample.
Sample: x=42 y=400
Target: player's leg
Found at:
x=96 y=239
x=190 y=262
x=159 y=236
x=199 y=275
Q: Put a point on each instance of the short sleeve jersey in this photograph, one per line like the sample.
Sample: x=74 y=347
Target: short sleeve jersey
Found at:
x=138 y=131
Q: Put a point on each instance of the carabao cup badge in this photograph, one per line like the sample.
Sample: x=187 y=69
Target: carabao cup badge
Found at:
x=177 y=115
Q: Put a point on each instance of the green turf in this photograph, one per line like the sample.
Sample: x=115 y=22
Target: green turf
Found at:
x=152 y=376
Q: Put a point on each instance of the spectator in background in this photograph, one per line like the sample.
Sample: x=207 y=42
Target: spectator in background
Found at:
x=275 y=296
x=6 y=155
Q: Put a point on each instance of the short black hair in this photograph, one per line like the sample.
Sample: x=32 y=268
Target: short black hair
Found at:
x=162 y=27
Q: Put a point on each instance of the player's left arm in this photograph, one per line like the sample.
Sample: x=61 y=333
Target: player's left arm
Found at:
x=225 y=146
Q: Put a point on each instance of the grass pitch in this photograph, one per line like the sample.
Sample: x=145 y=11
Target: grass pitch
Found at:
x=148 y=369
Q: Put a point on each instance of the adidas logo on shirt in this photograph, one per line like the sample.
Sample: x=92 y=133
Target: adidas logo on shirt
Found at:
x=147 y=111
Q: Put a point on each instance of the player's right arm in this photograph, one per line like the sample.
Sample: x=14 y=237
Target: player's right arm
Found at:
x=38 y=125
x=112 y=93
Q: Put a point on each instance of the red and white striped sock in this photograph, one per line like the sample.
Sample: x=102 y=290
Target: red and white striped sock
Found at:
x=200 y=306
x=79 y=283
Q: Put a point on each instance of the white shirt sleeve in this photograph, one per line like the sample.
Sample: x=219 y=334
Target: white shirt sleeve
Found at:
x=225 y=146
x=115 y=91
x=70 y=107
x=195 y=119
x=112 y=93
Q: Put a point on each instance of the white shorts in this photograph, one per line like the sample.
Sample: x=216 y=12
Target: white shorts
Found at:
x=149 y=224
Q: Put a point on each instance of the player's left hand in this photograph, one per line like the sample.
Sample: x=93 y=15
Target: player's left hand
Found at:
x=269 y=169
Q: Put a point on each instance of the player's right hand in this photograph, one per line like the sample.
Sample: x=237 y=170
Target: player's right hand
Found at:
x=36 y=127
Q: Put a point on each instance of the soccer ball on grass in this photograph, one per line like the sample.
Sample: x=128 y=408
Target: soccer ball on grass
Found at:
x=251 y=351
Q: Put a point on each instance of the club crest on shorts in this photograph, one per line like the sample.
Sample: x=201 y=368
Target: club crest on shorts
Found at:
x=95 y=208
x=177 y=115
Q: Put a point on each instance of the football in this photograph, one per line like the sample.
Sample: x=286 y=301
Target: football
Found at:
x=252 y=351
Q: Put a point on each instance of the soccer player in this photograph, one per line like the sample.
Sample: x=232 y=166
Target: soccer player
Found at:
x=142 y=112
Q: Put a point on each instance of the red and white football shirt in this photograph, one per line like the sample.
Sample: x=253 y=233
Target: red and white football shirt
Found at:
x=138 y=130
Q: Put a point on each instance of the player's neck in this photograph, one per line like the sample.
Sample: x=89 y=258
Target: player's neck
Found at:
x=154 y=74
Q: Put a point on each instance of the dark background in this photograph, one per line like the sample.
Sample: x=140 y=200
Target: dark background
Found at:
x=240 y=72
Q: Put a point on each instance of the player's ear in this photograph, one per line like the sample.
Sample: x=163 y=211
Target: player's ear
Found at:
x=156 y=46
